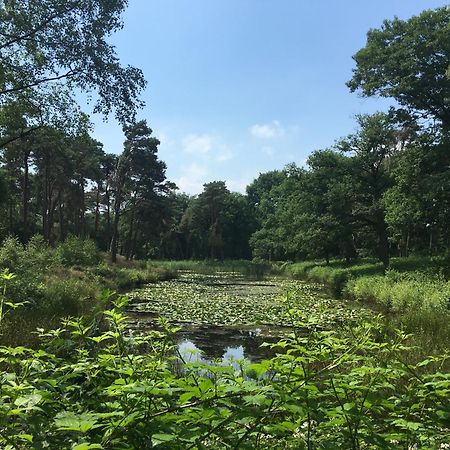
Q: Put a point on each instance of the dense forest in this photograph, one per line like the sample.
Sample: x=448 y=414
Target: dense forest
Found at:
x=355 y=244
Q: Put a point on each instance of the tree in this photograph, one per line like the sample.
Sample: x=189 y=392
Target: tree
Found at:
x=409 y=61
x=210 y=216
x=239 y=223
x=49 y=40
x=273 y=193
x=138 y=180
x=418 y=204
x=371 y=147
x=323 y=207
x=262 y=185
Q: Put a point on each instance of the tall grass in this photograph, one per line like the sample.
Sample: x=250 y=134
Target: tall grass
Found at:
x=414 y=293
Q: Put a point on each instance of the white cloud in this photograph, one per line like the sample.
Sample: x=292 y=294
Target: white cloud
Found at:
x=267 y=130
x=197 y=143
x=164 y=138
x=224 y=155
x=269 y=151
x=192 y=179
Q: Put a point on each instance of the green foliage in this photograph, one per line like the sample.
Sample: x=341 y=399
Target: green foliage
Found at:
x=57 y=40
x=47 y=290
x=69 y=296
x=29 y=263
x=408 y=60
x=78 y=251
x=348 y=388
x=217 y=225
x=414 y=293
x=402 y=292
x=334 y=274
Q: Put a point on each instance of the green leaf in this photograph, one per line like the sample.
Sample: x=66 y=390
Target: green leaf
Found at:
x=28 y=401
x=25 y=437
x=162 y=438
x=75 y=422
x=86 y=446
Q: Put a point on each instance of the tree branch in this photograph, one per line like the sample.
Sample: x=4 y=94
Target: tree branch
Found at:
x=68 y=74
x=20 y=136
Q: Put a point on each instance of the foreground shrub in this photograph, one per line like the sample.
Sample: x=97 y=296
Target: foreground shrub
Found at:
x=29 y=263
x=349 y=389
x=68 y=296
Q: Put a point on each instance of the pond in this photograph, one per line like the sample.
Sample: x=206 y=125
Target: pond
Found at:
x=226 y=316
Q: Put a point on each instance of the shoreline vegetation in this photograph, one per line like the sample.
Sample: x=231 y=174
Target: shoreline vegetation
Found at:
x=90 y=384
x=66 y=281
x=63 y=281
x=414 y=293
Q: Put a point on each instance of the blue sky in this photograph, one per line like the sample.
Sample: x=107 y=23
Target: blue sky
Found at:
x=241 y=87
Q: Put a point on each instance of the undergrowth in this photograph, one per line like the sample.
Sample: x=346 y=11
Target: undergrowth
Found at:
x=413 y=293
x=63 y=280
x=346 y=388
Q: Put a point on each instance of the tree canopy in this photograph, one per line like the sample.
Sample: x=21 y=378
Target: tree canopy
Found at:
x=44 y=41
x=409 y=60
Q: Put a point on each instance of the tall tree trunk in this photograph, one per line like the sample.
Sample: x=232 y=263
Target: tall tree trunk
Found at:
x=11 y=213
x=108 y=213
x=25 y=196
x=97 y=210
x=115 y=229
x=408 y=238
x=134 y=242
x=45 y=206
x=383 y=243
x=430 y=242
x=82 y=210
x=130 y=233
x=61 y=221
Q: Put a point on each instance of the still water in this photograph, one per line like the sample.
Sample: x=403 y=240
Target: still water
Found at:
x=226 y=316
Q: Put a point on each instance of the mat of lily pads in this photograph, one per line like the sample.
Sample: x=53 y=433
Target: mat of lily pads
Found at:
x=230 y=299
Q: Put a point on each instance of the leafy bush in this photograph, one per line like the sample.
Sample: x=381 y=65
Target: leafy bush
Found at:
x=324 y=389
x=68 y=296
x=78 y=251
x=29 y=264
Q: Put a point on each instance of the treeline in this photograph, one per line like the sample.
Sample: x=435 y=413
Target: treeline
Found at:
x=57 y=185
x=383 y=190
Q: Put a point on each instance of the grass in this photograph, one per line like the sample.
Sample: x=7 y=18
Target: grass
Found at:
x=414 y=293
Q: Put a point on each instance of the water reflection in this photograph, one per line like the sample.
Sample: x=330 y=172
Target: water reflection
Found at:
x=207 y=343
x=191 y=353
